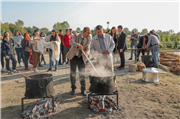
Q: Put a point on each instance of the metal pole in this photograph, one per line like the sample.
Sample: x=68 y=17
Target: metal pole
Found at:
x=90 y=62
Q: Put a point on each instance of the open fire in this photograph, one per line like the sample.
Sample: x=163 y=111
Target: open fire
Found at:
x=102 y=104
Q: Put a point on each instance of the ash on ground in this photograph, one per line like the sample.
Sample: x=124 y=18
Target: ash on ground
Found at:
x=41 y=109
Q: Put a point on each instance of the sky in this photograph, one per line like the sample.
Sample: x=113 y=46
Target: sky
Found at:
x=151 y=15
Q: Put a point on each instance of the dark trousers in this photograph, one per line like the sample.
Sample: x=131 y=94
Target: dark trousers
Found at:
x=65 y=51
x=19 y=54
x=2 y=60
x=42 y=58
x=138 y=53
x=122 y=58
x=61 y=53
x=11 y=57
x=81 y=67
x=26 y=60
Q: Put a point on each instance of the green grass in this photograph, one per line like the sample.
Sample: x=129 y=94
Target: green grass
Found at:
x=21 y=86
x=127 y=79
x=176 y=106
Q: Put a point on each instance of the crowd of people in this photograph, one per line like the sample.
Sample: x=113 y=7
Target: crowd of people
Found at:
x=25 y=46
x=74 y=47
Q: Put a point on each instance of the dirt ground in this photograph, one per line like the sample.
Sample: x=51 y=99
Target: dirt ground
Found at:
x=136 y=98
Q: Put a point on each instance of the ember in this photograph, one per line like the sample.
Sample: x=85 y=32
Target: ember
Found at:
x=40 y=108
x=102 y=104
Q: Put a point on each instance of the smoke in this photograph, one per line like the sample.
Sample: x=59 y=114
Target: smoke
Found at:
x=104 y=65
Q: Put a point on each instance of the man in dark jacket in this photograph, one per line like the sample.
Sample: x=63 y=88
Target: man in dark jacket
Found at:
x=121 y=46
x=142 y=43
x=61 y=46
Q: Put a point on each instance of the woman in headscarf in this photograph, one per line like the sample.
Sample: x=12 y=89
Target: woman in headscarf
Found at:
x=25 y=48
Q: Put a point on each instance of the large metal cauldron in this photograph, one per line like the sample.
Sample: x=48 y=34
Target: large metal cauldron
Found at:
x=147 y=60
x=39 y=86
x=150 y=75
x=102 y=85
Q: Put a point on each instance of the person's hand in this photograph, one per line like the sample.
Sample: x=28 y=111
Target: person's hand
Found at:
x=105 y=53
x=143 y=48
x=84 y=55
x=132 y=37
x=80 y=47
x=53 y=42
x=7 y=57
x=121 y=50
x=150 y=49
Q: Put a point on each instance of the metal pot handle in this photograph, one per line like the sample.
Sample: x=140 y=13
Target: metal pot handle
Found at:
x=40 y=85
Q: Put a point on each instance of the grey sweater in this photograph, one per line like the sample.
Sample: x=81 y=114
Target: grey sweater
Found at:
x=153 y=40
x=135 y=40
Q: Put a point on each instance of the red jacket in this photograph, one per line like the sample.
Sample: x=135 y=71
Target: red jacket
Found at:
x=66 y=40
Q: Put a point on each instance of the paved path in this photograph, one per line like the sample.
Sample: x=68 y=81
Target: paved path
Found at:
x=64 y=70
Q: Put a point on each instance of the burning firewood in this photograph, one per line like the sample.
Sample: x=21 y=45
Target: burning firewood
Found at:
x=102 y=104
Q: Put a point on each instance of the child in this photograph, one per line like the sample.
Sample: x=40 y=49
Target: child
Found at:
x=8 y=53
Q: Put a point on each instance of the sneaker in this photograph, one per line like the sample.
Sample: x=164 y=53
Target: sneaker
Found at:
x=40 y=65
x=49 y=70
x=10 y=73
x=83 y=93
x=27 y=68
x=72 y=92
x=64 y=63
x=67 y=62
x=3 y=70
x=37 y=71
x=20 y=65
x=15 y=71
x=130 y=58
x=56 y=69
x=44 y=63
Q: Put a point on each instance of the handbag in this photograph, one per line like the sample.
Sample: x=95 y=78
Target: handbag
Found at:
x=26 y=49
x=31 y=60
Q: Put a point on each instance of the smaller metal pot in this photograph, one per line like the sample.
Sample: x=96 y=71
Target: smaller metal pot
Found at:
x=150 y=75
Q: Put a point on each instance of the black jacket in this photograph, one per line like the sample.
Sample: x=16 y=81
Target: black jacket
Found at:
x=140 y=44
x=24 y=46
x=122 y=41
x=7 y=48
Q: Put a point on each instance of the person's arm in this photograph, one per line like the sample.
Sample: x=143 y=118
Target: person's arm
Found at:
x=73 y=43
x=31 y=40
x=87 y=50
x=112 y=45
x=4 y=50
x=92 y=50
x=149 y=42
x=136 y=37
x=47 y=38
x=122 y=42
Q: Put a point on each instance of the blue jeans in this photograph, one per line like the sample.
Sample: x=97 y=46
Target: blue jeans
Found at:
x=149 y=51
x=51 y=62
x=132 y=51
x=156 y=56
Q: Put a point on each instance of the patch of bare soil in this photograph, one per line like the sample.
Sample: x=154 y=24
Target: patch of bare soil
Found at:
x=136 y=98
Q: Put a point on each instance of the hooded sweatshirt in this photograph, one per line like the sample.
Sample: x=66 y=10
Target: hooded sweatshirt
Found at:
x=7 y=48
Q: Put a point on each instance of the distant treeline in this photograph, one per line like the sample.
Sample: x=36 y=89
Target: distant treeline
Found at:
x=19 y=25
